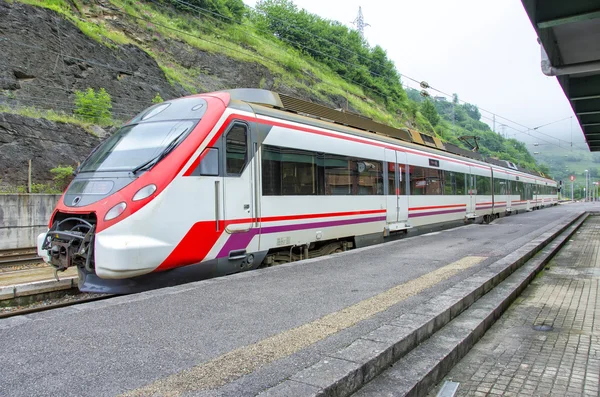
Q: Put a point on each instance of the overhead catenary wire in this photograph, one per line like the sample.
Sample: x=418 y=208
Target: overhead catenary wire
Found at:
x=261 y=59
x=205 y=11
x=133 y=73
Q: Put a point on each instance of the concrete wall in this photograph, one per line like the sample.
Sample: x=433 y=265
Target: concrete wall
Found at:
x=23 y=217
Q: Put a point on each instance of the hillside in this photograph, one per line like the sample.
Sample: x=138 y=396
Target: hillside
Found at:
x=144 y=51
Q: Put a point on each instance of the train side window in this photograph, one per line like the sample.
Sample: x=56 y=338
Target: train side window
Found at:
x=392 y=167
x=460 y=182
x=338 y=175
x=368 y=180
x=449 y=183
x=209 y=166
x=290 y=172
x=236 y=148
x=483 y=184
x=401 y=174
x=500 y=186
x=298 y=172
x=425 y=181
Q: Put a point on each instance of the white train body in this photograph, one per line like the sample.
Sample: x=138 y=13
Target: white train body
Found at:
x=248 y=185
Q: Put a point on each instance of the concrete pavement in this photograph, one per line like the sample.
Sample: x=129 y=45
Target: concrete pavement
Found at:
x=246 y=333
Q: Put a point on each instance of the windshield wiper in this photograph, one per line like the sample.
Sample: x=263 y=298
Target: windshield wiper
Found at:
x=148 y=164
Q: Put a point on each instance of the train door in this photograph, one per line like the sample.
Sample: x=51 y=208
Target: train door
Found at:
x=397 y=200
x=493 y=190
x=238 y=195
x=392 y=190
x=402 y=188
x=472 y=192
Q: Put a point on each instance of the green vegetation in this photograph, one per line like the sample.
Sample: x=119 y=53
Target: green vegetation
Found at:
x=62 y=176
x=222 y=9
x=51 y=115
x=430 y=113
x=157 y=99
x=343 y=50
x=303 y=52
x=97 y=30
x=566 y=161
x=93 y=107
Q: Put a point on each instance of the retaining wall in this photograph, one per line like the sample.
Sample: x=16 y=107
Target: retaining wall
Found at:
x=23 y=217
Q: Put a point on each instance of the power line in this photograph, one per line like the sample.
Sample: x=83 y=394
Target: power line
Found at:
x=523 y=132
x=121 y=70
x=202 y=10
x=262 y=59
x=352 y=52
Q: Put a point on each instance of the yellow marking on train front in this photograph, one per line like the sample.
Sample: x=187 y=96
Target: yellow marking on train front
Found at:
x=244 y=360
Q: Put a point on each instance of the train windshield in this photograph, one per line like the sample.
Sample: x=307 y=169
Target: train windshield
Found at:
x=148 y=137
x=133 y=145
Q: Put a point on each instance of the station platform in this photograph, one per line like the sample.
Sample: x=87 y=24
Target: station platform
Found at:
x=323 y=326
x=548 y=342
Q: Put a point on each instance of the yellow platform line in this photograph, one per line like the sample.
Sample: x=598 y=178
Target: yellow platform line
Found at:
x=247 y=359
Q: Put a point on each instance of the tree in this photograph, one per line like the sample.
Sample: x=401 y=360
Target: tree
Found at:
x=428 y=111
x=472 y=111
x=94 y=107
x=412 y=110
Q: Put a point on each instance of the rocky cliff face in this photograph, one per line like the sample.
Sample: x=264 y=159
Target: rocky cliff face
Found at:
x=45 y=58
x=47 y=144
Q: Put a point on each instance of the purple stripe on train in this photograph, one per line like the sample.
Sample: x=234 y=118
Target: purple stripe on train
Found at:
x=416 y=215
x=239 y=241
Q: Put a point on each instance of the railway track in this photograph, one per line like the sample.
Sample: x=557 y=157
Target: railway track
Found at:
x=75 y=298
x=15 y=257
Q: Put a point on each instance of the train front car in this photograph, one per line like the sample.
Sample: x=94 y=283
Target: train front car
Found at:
x=117 y=220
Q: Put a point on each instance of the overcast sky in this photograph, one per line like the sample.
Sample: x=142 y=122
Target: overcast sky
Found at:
x=485 y=51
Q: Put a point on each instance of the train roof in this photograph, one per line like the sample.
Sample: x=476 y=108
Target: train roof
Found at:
x=286 y=103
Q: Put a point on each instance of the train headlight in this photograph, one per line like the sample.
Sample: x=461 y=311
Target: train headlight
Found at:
x=115 y=211
x=144 y=192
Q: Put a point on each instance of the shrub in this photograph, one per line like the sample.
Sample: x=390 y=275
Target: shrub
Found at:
x=62 y=176
x=94 y=107
x=157 y=99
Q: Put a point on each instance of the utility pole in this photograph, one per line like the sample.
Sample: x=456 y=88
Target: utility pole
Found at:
x=360 y=23
x=494 y=118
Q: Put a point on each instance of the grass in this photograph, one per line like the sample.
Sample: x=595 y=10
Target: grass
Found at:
x=45 y=188
x=240 y=42
x=97 y=30
x=51 y=115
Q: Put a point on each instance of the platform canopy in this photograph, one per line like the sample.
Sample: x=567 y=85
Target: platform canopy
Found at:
x=569 y=33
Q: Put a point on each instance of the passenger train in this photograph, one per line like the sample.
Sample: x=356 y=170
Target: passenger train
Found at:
x=218 y=183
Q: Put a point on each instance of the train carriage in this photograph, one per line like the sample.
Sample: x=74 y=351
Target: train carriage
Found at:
x=219 y=183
